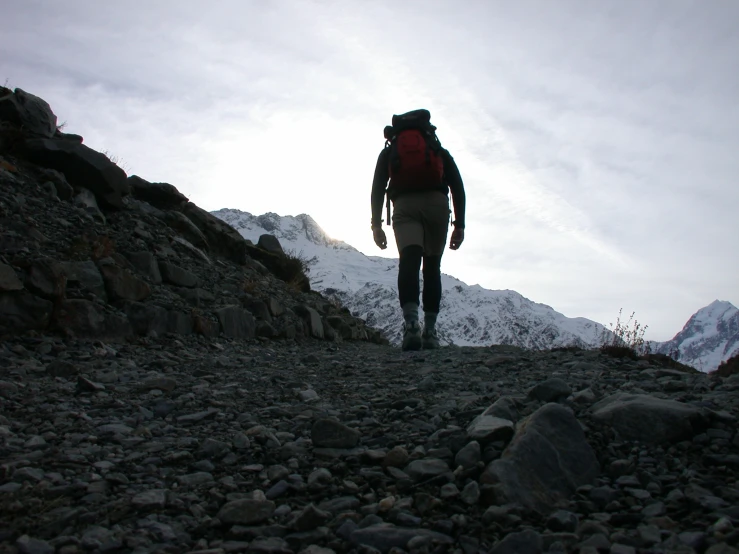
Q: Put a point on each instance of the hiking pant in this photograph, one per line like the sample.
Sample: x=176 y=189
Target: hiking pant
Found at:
x=420 y=224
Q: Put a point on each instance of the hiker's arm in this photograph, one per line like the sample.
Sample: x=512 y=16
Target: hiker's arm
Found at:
x=379 y=184
x=454 y=180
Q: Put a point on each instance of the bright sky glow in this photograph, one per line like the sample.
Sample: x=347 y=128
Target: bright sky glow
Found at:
x=597 y=140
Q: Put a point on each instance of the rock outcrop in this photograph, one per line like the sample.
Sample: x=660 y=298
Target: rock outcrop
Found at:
x=116 y=257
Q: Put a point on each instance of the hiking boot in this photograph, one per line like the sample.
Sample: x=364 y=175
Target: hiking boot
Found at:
x=430 y=340
x=412 y=336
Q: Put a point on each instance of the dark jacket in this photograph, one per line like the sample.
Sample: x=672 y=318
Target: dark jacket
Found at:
x=452 y=181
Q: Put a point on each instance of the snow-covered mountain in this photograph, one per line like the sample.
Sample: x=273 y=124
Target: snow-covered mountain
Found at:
x=710 y=336
x=367 y=285
x=470 y=315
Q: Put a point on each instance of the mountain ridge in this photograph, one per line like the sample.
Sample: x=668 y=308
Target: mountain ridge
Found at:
x=470 y=315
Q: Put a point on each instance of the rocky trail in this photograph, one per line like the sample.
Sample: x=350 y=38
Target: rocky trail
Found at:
x=170 y=445
x=167 y=386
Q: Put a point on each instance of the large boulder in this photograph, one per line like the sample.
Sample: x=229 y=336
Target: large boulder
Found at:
x=148 y=318
x=650 y=419
x=182 y=224
x=86 y=277
x=312 y=318
x=47 y=278
x=545 y=462
x=88 y=319
x=29 y=112
x=222 y=238
x=160 y=195
x=236 y=322
x=175 y=275
x=9 y=280
x=22 y=311
x=121 y=285
x=270 y=243
x=83 y=167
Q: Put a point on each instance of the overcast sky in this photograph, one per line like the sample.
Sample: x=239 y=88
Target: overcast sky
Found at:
x=598 y=141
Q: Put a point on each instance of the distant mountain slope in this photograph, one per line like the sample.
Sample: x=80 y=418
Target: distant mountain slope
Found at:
x=710 y=336
x=470 y=315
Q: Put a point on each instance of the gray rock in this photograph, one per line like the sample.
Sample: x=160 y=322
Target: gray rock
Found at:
x=246 y=511
x=146 y=264
x=308 y=395
x=426 y=468
x=328 y=433
x=270 y=243
x=310 y=518
x=551 y=390
x=28 y=474
x=236 y=322
x=46 y=278
x=471 y=493
x=114 y=428
x=270 y=545
x=319 y=478
x=213 y=448
x=160 y=195
x=88 y=319
x=486 y=428
x=312 y=319
x=383 y=537
x=396 y=457
x=62 y=368
x=152 y=499
x=22 y=311
x=182 y=224
x=82 y=167
x=503 y=408
x=546 y=461
x=9 y=279
x=527 y=541
x=29 y=112
x=669 y=420
x=585 y=397
x=86 y=276
x=29 y=545
x=175 y=275
x=338 y=505
x=562 y=520
x=195 y=479
x=121 y=285
x=469 y=455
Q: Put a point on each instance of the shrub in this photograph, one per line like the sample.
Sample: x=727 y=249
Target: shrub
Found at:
x=625 y=340
x=295 y=269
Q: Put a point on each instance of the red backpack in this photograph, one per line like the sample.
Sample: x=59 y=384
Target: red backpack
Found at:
x=415 y=160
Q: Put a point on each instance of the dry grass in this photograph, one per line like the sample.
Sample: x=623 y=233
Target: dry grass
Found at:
x=624 y=339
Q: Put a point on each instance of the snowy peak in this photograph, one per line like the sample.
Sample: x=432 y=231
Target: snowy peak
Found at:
x=710 y=336
x=288 y=229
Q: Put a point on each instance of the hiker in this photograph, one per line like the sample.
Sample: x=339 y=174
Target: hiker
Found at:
x=421 y=174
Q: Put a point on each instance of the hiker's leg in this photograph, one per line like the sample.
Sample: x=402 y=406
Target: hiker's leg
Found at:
x=409 y=266
x=408 y=291
x=431 y=284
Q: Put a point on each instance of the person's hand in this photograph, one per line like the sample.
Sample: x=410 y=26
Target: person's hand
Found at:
x=457 y=239
x=380 y=238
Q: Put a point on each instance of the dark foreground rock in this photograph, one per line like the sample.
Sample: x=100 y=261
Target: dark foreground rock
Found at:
x=186 y=443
